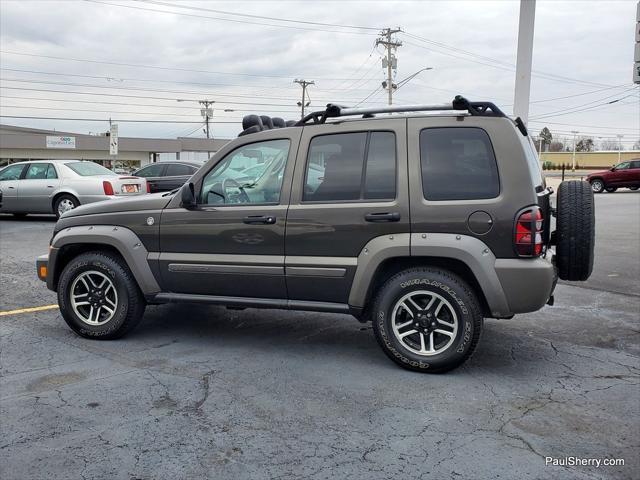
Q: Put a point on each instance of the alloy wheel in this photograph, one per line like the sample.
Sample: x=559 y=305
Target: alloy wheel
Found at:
x=93 y=298
x=424 y=322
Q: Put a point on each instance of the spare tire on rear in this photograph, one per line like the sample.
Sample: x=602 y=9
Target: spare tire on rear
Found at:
x=575 y=230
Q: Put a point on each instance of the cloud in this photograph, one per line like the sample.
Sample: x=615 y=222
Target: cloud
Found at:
x=590 y=41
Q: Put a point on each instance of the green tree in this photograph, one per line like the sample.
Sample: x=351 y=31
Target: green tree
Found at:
x=546 y=137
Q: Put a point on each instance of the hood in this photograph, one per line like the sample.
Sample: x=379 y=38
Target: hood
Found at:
x=599 y=172
x=150 y=201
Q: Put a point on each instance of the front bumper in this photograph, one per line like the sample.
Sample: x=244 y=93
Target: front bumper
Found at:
x=42 y=267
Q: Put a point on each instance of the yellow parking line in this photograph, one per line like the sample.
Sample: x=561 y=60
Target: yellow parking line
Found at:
x=28 y=310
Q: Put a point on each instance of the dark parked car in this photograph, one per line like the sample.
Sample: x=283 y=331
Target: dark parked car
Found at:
x=422 y=224
x=165 y=176
x=623 y=175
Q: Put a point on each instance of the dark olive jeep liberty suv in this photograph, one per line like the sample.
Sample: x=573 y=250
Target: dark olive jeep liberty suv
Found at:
x=423 y=223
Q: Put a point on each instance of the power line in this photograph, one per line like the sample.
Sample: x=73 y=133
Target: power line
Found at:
x=176 y=69
x=128 y=104
x=227 y=19
x=107 y=120
x=495 y=62
x=584 y=126
x=579 y=108
x=259 y=16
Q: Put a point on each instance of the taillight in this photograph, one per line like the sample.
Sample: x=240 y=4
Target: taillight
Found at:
x=108 y=188
x=148 y=187
x=528 y=234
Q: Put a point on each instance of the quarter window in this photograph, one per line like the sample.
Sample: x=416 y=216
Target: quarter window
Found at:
x=251 y=174
x=458 y=164
x=351 y=167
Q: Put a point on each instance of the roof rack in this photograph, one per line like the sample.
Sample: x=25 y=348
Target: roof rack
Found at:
x=483 y=109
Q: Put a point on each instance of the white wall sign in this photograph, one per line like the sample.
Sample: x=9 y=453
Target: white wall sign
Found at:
x=113 y=139
x=61 y=142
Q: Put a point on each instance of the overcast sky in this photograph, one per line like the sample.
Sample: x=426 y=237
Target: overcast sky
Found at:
x=583 y=50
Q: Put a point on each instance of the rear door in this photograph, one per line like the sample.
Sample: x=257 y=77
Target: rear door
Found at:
x=175 y=175
x=36 y=189
x=153 y=173
x=349 y=187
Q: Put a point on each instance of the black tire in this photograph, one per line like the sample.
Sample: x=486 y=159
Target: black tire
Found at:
x=633 y=188
x=611 y=189
x=130 y=303
x=64 y=199
x=575 y=230
x=597 y=185
x=461 y=300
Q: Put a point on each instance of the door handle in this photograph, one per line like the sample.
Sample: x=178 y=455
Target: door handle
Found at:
x=259 y=219
x=50 y=186
x=382 y=217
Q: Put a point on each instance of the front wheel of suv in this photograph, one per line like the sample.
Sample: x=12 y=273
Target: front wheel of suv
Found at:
x=98 y=296
x=427 y=320
x=597 y=185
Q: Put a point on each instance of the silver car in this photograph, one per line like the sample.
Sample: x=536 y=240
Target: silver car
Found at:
x=56 y=186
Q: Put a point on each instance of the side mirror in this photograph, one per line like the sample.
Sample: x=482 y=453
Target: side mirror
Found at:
x=188 y=196
x=612 y=169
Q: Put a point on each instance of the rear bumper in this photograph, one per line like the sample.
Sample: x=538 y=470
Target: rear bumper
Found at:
x=527 y=283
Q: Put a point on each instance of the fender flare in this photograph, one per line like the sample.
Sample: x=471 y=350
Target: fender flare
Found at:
x=122 y=239
x=470 y=250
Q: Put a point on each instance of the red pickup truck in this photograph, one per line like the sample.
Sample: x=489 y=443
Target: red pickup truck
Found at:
x=623 y=175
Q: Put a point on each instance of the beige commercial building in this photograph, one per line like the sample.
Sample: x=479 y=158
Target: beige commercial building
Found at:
x=589 y=160
x=19 y=144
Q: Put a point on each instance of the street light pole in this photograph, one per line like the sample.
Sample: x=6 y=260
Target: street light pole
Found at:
x=619 y=147
x=573 y=163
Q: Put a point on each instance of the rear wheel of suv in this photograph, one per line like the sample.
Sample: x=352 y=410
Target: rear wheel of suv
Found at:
x=427 y=320
x=597 y=185
x=575 y=230
x=98 y=296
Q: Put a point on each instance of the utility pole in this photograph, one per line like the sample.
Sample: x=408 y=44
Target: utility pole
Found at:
x=619 y=146
x=304 y=84
x=206 y=112
x=573 y=162
x=390 y=62
x=524 y=59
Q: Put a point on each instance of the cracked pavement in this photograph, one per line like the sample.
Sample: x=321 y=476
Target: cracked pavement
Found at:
x=204 y=392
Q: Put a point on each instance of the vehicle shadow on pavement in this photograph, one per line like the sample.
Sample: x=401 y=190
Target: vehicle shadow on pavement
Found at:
x=27 y=218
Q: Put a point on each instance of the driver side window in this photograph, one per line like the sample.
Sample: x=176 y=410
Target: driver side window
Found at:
x=251 y=174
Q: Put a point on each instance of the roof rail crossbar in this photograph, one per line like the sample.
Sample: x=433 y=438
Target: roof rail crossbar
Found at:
x=485 y=109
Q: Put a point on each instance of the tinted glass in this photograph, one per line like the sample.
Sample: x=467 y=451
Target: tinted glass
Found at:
x=177 y=169
x=337 y=171
x=151 y=171
x=458 y=164
x=12 y=172
x=251 y=174
x=88 y=169
x=380 y=177
x=51 y=172
x=635 y=164
x=37 y=171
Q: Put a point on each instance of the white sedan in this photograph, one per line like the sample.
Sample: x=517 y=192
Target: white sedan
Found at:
x=56 y=186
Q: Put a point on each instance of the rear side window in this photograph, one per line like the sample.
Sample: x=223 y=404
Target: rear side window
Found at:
x=458 y=163
x=37 y=171
x=351 y=167
x=154 y=170
x=176 y=169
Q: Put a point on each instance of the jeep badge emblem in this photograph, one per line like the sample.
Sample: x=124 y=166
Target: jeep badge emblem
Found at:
x=150 y=221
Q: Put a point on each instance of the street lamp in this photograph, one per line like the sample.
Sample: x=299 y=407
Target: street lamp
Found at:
x=403 y=82
x=573 y=163
x=619 y=146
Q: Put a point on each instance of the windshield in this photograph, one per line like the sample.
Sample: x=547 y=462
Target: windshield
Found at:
x=88 y=169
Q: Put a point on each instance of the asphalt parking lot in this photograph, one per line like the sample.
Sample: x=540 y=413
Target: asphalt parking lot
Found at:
x=200 y=391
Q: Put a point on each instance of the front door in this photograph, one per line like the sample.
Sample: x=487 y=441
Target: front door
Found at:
x=349 y=187
x=9 y=181
x=35 y=190
x=232 y=244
